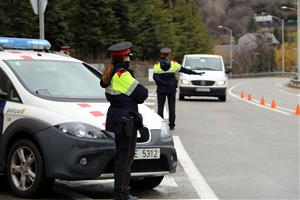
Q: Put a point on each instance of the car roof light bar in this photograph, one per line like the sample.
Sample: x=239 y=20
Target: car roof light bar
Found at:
x=24 y=43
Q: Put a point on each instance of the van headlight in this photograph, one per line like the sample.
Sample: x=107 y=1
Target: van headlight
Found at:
x=184 y=81
x=220 y=83
x=165 y=130
x=83 y=130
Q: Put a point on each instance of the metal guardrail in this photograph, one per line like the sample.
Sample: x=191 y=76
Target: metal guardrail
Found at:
x=295 y=83
x=264 y=74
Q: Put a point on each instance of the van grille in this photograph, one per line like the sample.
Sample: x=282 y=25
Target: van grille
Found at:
x=203 y=83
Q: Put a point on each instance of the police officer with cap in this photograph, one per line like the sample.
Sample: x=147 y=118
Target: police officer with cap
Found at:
x=164 y=76
x=124 y=93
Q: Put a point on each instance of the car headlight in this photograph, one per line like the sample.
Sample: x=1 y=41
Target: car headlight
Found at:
x=165 y=130
x=82 y=130
x=184 y=81
x=220 y=83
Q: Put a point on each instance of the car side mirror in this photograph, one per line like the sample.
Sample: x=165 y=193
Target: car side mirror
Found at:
x=3 y=95
x=228 y=70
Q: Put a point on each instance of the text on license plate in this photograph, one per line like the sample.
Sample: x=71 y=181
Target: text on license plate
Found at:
x=203 y=89
x=151 y=153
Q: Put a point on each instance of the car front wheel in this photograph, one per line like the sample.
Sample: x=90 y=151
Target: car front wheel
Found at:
x=25 y=170
x=146 y=183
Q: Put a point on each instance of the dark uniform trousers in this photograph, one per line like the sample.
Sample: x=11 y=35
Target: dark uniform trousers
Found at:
x=161 y=99
x=125 y=151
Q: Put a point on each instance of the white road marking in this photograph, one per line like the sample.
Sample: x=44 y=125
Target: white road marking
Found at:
x=254 y=102
x=279 y=86
x=149 y=103
x=168 y=181
x=197 y=180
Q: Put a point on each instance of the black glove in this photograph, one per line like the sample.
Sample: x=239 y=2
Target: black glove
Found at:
x=200 y=73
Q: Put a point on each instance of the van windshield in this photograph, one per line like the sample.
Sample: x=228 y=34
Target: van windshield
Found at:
x=58 y=79
x=203 y=63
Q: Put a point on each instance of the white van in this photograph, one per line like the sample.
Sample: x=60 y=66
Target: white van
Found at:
x=212 y=83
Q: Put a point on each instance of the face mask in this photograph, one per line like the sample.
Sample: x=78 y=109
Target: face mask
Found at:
x=126 y=65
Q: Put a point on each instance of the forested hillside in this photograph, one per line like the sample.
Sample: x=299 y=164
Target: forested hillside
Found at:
x=90 y=26
x=237 y=14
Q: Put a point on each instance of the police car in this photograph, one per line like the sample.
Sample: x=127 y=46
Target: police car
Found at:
x=52 y=123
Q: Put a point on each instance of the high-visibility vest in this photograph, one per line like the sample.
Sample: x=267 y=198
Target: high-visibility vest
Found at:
x=122 y=83
x=175 y=67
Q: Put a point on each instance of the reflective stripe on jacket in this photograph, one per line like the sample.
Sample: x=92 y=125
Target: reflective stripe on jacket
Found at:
x=175 y=67
x=122 y=83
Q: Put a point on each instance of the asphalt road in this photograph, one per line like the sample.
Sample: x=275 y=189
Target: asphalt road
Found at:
x=240 y=149
x=243 y=150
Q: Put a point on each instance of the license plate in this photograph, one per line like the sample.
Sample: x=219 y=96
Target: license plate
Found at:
x=151 y=153
x=203 y=89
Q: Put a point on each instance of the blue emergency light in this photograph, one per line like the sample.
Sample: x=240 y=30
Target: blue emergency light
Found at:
x=24 y=43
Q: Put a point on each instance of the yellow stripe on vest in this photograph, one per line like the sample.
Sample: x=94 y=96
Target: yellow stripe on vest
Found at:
x=123 y=84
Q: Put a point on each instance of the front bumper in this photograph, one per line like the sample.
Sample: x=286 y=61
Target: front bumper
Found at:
x=151 y=167
x=62 y=154
x=196 y=91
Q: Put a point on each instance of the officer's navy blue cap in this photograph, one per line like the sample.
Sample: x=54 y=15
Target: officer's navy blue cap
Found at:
x=122 y=48
x=165 y=50
x=65 y=46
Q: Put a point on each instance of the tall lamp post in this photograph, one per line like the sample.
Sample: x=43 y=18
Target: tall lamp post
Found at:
x=298 y=34
x=282 y=42
x=230 y=33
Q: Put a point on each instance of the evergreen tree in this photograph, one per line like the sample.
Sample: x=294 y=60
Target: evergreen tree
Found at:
x=19 y=19
x=56 y=23
x=191 y=33
x=154 y=28
x=93 y=25
x=252 y=25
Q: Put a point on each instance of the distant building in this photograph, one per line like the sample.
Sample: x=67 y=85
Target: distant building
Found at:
x=251 y=39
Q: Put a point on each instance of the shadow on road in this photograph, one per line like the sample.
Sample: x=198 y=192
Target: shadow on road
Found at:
x=201 y=100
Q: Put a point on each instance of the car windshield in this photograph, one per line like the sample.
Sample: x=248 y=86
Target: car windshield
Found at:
x=203 y=63
x=59 y=79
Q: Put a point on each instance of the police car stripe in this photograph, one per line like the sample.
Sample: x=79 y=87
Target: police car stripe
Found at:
x=14 y=52
x=2 y=105
x=26 y=57
x=84 y=105
x=97 y=113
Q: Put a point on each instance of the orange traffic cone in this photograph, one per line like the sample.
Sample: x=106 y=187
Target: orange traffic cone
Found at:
x=242 y=95
x=249 y=97
x=297 y=112
x=262 y=101
x=273 y=104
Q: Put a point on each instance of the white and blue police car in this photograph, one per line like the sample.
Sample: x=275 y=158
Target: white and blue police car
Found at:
x=52 y=123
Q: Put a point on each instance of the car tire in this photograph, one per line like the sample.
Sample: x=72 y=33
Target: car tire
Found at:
x=181 y=97
x=25 y=170
x=222 y=98
x=146 y=183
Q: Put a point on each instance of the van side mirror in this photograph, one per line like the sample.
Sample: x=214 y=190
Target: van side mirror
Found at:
x=3 y=95
x=228 y=70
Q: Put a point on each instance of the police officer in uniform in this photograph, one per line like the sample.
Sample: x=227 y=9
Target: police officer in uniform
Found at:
x=164 y=76
x=124 y=93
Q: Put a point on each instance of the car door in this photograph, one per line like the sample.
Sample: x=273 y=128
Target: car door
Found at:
x=8 y=95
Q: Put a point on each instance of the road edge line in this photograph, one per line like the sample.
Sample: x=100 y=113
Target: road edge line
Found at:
x=253 y=103
x=195 y=177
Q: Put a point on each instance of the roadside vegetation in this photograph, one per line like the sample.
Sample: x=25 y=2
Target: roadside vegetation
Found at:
x=187 y=26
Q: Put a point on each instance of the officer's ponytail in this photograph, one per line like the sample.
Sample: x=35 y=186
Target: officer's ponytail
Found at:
x=106 y=76
x=108 y=70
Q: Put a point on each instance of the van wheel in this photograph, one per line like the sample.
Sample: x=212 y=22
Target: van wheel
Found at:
x=146 y=183
x=25 y=170
x=181 y=97
x=222 y=98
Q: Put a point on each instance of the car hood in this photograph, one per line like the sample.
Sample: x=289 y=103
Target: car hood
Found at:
x=55 y=112
x=208 y=75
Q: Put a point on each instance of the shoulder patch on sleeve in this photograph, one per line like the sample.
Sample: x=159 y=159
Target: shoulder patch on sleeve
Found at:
x=120 y=71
